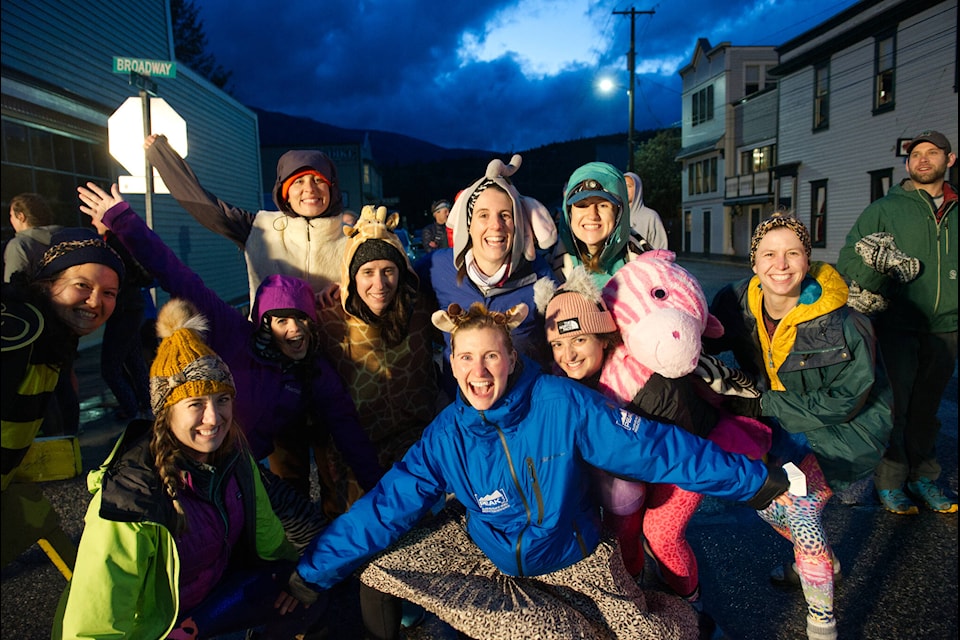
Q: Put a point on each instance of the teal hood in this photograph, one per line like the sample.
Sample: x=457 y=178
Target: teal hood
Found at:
x=610 y=184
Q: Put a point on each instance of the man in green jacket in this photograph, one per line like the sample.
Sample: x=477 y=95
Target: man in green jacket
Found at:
x=917 y=330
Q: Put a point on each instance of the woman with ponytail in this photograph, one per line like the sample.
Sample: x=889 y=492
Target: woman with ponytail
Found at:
x=180 y=540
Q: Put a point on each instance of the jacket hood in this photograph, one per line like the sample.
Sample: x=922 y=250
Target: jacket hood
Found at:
x=373 y=224
x=611 y=180
x=284 y=292
x=532 y=221
x=301 y=159
x=637 y=202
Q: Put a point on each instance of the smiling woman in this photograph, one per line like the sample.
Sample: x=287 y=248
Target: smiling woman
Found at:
x=516 y=449
x=206 y=563
x=290 y=397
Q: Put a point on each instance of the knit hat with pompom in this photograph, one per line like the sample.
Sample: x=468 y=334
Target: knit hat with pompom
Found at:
x=576 y=308
x=185 y=367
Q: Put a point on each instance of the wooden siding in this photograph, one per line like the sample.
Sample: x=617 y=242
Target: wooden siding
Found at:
x=46 y=40
x=856 y=141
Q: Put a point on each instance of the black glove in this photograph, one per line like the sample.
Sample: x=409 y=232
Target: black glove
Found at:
x=749 y=407
x=774 y=486
x=302 y=591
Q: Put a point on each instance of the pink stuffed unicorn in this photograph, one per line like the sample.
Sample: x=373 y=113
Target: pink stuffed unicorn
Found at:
x=661 y=313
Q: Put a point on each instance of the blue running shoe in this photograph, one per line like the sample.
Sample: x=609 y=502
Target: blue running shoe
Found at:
x=929 y=495
x=896 y=501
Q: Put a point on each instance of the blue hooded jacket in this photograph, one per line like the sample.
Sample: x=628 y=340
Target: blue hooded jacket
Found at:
x=521 y=469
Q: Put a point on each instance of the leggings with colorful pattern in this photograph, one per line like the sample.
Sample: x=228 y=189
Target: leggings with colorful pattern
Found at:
x=801 y=523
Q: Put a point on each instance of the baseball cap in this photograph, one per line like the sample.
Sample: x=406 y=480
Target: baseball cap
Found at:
x=935 y=138
x=589 y=188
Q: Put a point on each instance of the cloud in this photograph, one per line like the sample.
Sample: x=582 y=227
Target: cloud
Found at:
x=496 y=75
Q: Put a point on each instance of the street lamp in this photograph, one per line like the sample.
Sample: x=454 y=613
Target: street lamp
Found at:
x=606 y=85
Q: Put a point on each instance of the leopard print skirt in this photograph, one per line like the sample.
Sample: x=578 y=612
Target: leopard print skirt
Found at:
x=438 y=567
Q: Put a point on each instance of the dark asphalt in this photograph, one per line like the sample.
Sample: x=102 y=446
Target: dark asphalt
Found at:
x=899 y=572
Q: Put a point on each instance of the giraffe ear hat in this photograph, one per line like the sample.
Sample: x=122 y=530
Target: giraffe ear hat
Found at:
x=454 y=316
x=372 y=237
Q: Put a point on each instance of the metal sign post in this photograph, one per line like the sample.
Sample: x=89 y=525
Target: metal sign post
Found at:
x=147 y=88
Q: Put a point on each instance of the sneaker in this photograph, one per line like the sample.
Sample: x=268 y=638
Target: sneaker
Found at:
x=930 y=496
x=896 y=501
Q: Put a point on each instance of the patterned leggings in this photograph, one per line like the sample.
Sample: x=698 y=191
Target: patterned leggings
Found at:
x=667 y=512
x=802 y=525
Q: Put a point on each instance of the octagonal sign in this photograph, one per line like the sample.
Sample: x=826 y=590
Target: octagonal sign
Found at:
x=125 y=131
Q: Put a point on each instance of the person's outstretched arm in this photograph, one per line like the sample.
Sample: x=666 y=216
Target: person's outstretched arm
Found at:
x=213 y=213
x=172 y=275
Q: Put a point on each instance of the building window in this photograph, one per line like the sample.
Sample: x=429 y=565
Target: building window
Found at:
x=702 y=105
x=52 y=164
x=751 y=79
x=756 y=78
x=769 y=82
x=758 y=160
x=885 y=62
x=821 y=96
x=702 y=176
x=818 y=213
x=880 y=183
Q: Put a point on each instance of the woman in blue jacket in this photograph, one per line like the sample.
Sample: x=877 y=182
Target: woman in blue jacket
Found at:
x=520 y=469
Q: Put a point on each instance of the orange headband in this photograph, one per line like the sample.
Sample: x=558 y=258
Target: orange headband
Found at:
x=306 y=172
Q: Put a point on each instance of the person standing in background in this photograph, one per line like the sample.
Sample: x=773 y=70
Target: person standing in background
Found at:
x=303 y=238
x=917 y=331
x=32 y=220
x=434 y=235
x=643 y=219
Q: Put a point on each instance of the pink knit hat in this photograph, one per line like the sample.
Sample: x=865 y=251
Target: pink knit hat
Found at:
x=574 y=309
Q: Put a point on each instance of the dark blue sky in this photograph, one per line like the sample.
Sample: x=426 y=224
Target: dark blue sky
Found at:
x=497 y=75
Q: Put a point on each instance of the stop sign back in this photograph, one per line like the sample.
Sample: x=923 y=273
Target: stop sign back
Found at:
x=125 y=131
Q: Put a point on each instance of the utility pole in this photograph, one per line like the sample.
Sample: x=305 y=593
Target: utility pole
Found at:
x=631 y=68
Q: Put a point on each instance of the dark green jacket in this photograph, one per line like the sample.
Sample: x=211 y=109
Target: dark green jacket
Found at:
x=928 y=303
x=834 y=388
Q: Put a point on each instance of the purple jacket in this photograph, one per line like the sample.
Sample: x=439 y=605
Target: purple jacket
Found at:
x=271 y=395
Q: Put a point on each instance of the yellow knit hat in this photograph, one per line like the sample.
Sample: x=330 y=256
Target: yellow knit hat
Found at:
x=185 y=367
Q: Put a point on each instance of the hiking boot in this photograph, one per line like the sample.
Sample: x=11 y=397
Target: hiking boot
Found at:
x=930 y=496
x=896 y=501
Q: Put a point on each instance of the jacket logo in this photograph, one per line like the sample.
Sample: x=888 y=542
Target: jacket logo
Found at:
x=493 y=502
x=629 y=421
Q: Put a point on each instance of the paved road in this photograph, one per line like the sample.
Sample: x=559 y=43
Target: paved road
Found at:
x=900 y=573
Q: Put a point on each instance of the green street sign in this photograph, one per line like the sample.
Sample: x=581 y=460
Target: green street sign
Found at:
x=152 y=68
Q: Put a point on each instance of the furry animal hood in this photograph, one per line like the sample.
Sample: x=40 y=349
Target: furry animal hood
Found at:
x=373 y=224
x=534 y=226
